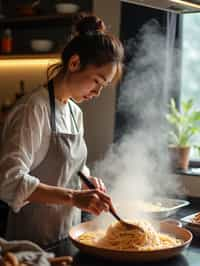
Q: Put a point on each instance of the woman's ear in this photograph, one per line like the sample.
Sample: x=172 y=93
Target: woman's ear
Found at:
x=74 y=63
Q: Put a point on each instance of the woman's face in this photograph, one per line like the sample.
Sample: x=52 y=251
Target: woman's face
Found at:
x=88 y=83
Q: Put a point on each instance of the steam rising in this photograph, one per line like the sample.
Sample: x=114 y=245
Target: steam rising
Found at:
x=137 y=166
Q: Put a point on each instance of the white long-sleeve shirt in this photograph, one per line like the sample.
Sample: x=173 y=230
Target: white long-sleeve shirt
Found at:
x=25 y=141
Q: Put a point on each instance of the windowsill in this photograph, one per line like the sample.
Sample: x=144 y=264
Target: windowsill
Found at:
x=189 y=172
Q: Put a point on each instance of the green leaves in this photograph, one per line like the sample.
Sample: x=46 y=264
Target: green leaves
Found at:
x=187 y=106
x=184 y=123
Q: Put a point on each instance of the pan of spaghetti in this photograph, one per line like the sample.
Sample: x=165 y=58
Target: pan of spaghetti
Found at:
x=116 y=242
x=192 y=222
x=156 y=208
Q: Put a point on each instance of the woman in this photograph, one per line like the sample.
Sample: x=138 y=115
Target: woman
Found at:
x=43 y=146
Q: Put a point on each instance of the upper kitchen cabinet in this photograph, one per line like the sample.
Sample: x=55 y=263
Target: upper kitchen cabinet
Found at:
x=27 y=21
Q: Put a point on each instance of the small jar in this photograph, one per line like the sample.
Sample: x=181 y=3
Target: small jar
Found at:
x=7 y=42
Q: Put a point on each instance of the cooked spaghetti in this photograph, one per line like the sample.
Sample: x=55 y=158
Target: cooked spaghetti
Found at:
x=196 y=218
x=118 y=237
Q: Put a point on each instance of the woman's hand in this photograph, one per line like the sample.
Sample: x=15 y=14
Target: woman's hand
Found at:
x=92 y=200
x=98 y=183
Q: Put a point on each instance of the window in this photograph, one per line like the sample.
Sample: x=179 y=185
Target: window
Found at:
x=190 y=78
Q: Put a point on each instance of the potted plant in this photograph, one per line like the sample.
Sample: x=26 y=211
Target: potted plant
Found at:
x=184 y=126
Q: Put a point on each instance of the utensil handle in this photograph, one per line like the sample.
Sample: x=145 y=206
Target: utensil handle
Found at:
x=86 y=180
x=114 y=214
x=92 y=186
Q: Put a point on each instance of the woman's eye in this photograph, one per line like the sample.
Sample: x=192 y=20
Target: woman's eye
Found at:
x=96 y=81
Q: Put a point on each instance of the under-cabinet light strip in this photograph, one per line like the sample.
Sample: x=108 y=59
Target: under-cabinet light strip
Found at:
x=27 y=62
x=186 y=3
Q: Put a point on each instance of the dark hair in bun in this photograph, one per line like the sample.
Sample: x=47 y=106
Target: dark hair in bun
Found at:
x=89 y=24
x=93 y=43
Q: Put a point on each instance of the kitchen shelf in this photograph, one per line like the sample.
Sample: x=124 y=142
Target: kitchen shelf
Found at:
x=35 y=19
x=45 y=24
x=30 y=56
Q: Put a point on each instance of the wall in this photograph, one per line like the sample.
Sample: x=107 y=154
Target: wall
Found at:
x=33 y=72
x=99 y=114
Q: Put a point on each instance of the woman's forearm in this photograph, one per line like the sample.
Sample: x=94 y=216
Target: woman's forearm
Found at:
x=51 y=195
x=92 y=200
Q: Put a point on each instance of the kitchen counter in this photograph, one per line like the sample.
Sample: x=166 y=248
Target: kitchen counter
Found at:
x=190 y=257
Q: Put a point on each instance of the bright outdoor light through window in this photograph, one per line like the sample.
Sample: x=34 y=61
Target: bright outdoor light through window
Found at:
x=191 y=61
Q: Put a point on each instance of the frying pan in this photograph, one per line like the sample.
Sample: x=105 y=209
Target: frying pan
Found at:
x=132 y=256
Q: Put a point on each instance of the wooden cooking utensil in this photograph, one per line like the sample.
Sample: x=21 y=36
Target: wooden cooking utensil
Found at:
x=113 y=212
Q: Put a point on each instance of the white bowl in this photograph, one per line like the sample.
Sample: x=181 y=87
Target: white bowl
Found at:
x=64 y=8
x=41 y=45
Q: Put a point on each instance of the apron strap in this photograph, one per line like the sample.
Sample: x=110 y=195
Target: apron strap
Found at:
x=73 y=118
x=52 y=105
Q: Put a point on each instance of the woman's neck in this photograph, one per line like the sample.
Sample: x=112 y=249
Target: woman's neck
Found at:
x=61 y=90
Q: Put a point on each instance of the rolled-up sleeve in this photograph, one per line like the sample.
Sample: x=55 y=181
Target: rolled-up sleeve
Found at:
x=21 y=138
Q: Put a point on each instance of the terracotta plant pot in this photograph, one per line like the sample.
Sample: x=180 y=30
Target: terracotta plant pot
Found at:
x=179 y=157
